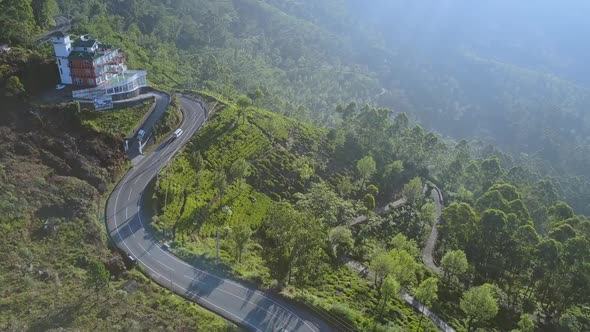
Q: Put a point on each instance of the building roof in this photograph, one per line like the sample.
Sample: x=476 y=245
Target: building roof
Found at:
x=84 y=43
x=87 y=55
x=81 y=55
x=57 y=34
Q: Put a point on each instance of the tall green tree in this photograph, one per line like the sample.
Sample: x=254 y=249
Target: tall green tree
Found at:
x=479 y=305
x=341 y=240
x=240 y=235
x=226 y=213
x=428 y=213
x=43 y=11
x=239 y=170
x=382 y=264
x=369 y=202
x=366 y=168
x=454 y=265
x=389 y=290
x=17 y=21
x=412 y=191
x=426 y=293
x=296 y=241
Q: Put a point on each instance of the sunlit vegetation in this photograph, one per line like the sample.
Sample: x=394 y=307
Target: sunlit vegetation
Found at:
x=119 y=121
x=281 y=193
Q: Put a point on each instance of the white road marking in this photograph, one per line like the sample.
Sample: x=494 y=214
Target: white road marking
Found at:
x=147 y=252
x=166 y=266
x=130 y=192
x=126 y=215
x=128 y=225
x=245 y=300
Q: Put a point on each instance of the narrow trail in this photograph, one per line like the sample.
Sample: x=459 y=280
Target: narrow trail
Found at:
x=428 y=250
x=427 y=257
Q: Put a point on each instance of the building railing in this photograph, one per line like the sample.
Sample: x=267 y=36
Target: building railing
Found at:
x=134 y=81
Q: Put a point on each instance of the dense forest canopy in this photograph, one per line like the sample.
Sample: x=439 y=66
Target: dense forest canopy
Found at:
x=501 y=72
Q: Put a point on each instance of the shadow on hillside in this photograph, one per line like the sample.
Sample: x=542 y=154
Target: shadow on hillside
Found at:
x=62 y=318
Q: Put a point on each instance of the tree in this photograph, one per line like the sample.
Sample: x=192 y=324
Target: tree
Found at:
x=428 y=213
x=459 y=226
x=401 y=242
x=369 y=202
x=389 y=290
x=575 y=319
x=454 y=264
x=366 y=168
x=392 y=175
x=240 y=236
x=244 y=102
x=17 y=21
x=14 y=88
x=296 y=241
x=341 y=240
x=239 y=170
x=98 y=276
x=413 y=190
x=373 y=190
x=382 y=265
x=226 y=214
x=427 y=294
x=404 y=267
x=43 y=11
x=525 y=324
x=479 y=304
x=220 y=183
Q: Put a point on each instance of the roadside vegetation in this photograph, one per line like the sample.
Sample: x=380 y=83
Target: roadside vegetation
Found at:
x=169 y=121
x=119 y=121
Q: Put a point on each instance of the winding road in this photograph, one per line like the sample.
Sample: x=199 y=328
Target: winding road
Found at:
x=62 y=24
x=427 y=253
x=128 y=227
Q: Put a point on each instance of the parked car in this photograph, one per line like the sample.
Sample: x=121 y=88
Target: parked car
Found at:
x=60 y=87
x=140 y=134
x=165 y=246
x=132 y=259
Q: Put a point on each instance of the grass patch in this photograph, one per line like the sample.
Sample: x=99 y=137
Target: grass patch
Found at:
x=119 y=122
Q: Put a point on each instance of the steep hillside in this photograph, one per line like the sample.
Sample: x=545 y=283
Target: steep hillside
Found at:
x=54 y=176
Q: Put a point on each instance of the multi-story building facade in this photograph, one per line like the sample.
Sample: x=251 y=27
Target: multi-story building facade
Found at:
x=99 y=69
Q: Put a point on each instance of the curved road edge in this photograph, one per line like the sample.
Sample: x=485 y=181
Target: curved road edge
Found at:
x=427 y=252
x=125 y=222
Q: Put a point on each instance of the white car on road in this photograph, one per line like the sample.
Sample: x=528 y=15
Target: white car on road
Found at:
x=177 y=133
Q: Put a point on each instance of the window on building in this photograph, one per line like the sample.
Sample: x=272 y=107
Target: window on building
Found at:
x=87 y=71
x=90 y=81
x=59 y=62
x=61 y=71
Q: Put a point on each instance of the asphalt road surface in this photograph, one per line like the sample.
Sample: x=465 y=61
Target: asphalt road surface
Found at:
x=162 y=102
x=427 y=253
x=128 y=227
x=62 y=23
